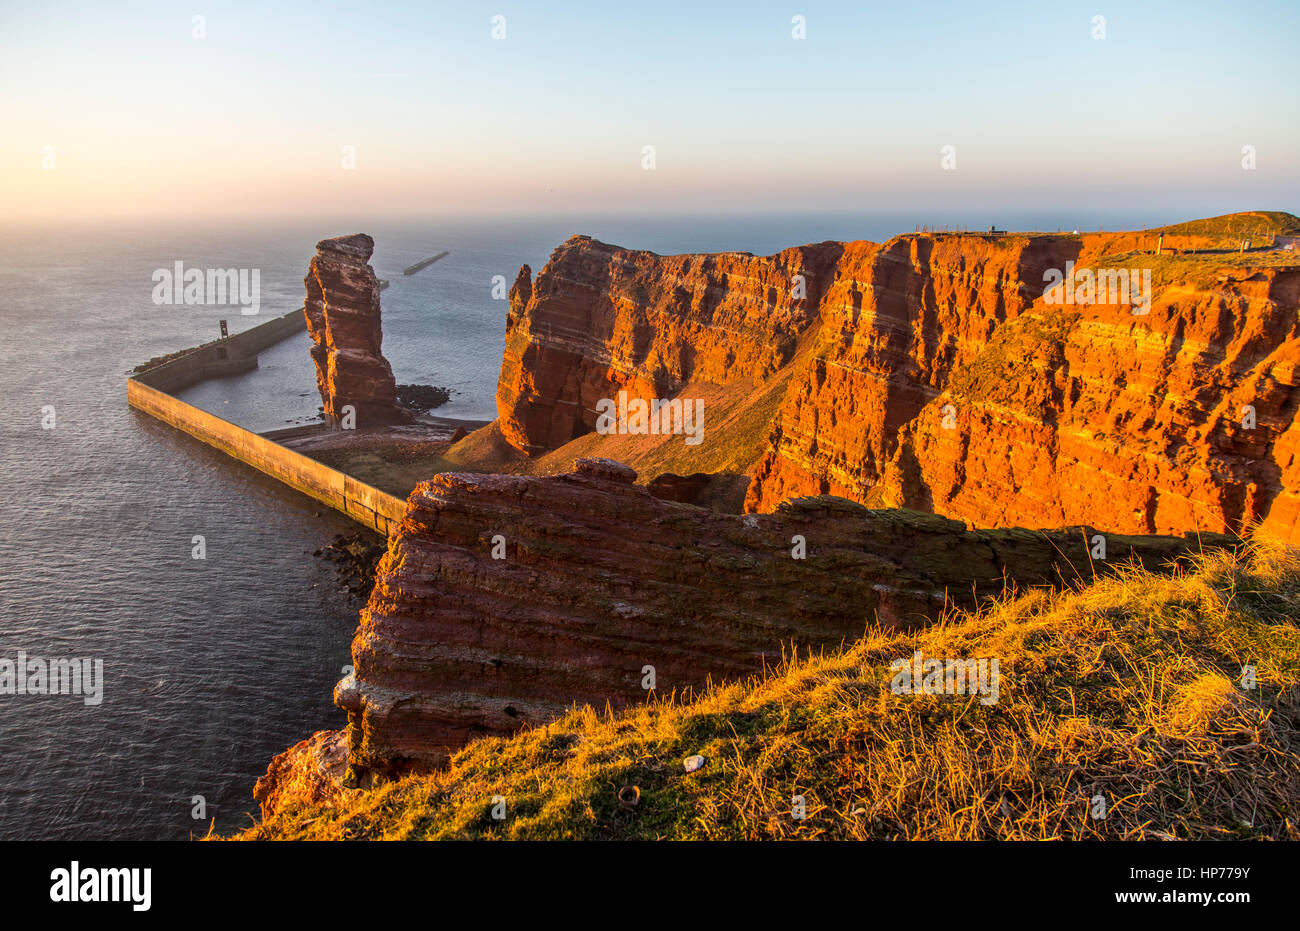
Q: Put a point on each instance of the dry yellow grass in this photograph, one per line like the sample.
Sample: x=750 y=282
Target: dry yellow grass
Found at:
x=1129 y=689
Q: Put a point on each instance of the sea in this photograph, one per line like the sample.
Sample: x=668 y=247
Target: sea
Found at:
x=212 y=666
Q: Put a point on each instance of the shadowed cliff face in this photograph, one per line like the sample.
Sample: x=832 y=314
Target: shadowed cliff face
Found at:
x=343 y=317
x=939 y=378
x=503 y=600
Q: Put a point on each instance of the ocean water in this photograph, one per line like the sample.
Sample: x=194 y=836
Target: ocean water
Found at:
x=213 y=666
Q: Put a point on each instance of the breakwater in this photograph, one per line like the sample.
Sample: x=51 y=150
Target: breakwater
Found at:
x=420 y=266
x=220 y=358
x=149 y=391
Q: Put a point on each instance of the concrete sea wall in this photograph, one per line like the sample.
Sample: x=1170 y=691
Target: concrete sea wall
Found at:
x=148 y=392
x=222 y=357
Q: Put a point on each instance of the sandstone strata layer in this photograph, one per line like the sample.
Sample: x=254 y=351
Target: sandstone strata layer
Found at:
x=599 y=320
x=599 y=584
x=939 y=379
x=969 y=398
x=343 y=318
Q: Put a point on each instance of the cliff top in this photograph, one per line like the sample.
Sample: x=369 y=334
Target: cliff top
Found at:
x=591 y=244
x=1126 y=689
x=1264 y=222
x=357 y=246
x=1229 y=228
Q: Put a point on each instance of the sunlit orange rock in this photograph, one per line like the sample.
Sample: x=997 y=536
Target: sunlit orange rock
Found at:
x=599 y=320
x=505 y=599
x=938 y=378
x=343 y=318
x=954 y=388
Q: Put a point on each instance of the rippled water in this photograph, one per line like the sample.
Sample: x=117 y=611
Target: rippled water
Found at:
x=212 y=667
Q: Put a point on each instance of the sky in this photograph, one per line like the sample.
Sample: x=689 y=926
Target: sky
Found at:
x=258 y=109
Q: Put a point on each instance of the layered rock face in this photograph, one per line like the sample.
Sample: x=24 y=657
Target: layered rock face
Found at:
x=1180 y=419
x=1146 y=426
x=599 y=320
x=895 y=324
x=343 y=318
x=939 y=379
x=503 y=600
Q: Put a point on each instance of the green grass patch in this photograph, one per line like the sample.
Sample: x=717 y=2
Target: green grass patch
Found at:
x=1128 y=688
x=1237 y=225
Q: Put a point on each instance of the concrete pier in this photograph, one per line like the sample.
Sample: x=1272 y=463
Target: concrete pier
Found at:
x=222 y=358
x=150 y=392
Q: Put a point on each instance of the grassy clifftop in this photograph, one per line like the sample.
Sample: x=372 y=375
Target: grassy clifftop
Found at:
x=1258 y=222
x=1127 y=690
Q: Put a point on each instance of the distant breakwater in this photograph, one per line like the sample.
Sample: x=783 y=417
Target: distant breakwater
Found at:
x=150 y=390
x=220 y=358
x=420 y=266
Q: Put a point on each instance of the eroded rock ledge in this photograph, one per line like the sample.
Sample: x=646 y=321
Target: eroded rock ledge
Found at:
x=598 y=580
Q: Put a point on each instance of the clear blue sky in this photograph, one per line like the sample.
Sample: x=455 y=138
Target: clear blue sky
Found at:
x=145 y=118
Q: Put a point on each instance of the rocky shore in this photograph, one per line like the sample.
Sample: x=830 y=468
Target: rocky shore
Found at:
x=421 y=399
x=356 y=557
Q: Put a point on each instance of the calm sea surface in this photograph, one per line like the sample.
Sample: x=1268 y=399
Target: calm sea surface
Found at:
x=213 y=666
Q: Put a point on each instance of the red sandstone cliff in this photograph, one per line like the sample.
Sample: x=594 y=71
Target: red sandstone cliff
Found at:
x=1055 y=414
x=600 y=319
x=597 y=580
x=343 y=318
x=925 y=373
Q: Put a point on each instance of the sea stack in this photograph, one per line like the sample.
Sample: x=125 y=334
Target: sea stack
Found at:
x=343 y=317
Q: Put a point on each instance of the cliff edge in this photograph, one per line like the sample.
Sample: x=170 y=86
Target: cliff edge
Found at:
x=936 y=372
